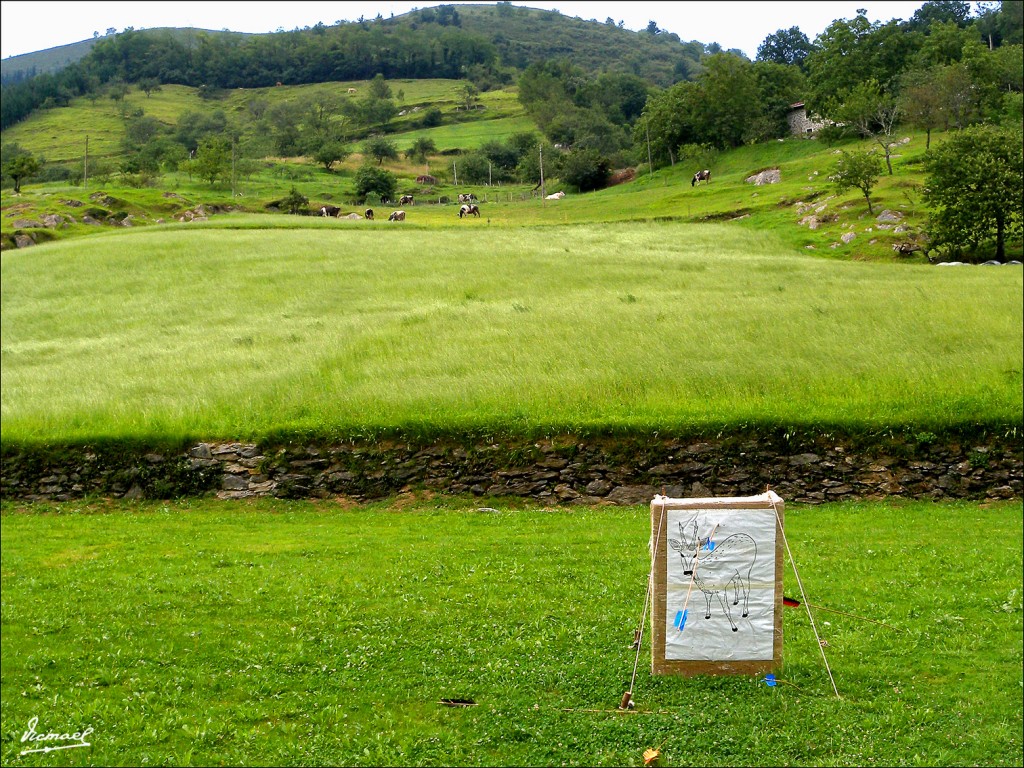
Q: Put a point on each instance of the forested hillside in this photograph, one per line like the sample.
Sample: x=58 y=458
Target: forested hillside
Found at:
x=488 y=45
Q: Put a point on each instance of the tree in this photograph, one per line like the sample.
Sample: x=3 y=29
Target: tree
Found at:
x=974 y=185
x=858 y=170
x=149 y=85
x=421 y=149
x=852 y=51
x=778 y=87
x=379 y=87
x=922 y=103
x=380 y=148
x=469 y=93
x=370 y=180
x=874 y=114
x=728 y=102
x=667 y=121
x=940 y=11
x=21 y=165
x=213 y=159
x=117 y=90
x=785 y=46
x=330 y=152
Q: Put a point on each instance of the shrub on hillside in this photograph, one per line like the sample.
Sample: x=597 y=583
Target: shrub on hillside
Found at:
x=295 y=202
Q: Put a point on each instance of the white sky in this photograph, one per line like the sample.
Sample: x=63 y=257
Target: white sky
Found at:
x=30 y=25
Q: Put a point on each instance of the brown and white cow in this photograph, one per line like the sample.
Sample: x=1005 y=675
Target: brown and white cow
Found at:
x=700 y=176
x=405 y=200
x=397 y=216
x=469 y=210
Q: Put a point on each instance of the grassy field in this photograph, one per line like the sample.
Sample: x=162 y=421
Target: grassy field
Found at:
x=203 y=633
x=233 y=330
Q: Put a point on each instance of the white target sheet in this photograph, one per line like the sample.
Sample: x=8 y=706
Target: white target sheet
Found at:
x=720 y=584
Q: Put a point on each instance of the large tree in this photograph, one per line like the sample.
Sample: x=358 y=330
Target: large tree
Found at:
x=974 y=185
x=848 y=53
x=785 y=46
x=922 y=101
x=729 y=100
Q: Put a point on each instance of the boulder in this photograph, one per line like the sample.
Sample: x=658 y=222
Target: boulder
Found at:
x=771 y=176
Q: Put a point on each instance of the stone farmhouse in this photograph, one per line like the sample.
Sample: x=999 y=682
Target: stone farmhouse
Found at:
x=800 y=124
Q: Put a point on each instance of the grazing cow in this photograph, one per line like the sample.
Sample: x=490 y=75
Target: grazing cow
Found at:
x=468 y=198
x=405 y=200
x=397 y=216
x=369 y=214
x=329 y=210
x=717 y=566
x=469 y=210
x=700 y=176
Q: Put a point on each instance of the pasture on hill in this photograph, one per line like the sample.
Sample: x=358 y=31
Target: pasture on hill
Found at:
x=60 y=136
x=296 y=633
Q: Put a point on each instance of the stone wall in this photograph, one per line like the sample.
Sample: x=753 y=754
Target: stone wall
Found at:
x=559 y=470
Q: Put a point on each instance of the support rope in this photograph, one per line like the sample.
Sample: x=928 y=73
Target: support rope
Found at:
x=800 y=584
x=647 y=597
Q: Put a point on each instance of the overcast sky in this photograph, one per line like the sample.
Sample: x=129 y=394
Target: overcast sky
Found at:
x=31 y=25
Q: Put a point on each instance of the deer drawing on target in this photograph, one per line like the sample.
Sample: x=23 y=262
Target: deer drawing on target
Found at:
x=719 y=569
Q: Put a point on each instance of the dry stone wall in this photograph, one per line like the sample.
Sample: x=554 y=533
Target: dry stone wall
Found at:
x=558 y=470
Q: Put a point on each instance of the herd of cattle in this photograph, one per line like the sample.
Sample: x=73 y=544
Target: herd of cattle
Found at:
x=467 y=207
x=467 y=203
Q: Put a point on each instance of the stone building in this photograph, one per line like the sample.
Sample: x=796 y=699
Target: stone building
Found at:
x=800 y=124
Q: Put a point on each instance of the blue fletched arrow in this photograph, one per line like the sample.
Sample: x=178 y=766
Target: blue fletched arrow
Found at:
x=680 y=620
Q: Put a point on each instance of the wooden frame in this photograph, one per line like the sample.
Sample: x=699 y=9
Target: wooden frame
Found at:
x=671 y=655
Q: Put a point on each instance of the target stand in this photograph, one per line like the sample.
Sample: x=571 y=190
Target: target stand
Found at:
x=716 y=606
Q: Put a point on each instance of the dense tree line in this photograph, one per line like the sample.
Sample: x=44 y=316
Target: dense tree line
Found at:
x=942 y=68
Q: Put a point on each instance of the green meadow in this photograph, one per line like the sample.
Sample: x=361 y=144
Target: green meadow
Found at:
x=240 y=327
x=286 y=633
